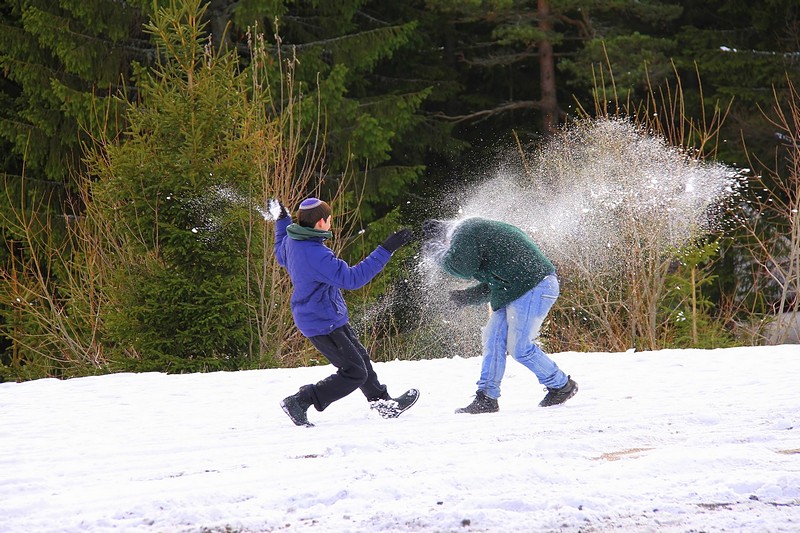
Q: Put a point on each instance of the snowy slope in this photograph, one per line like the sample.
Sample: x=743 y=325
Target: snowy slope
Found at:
x=677 y=440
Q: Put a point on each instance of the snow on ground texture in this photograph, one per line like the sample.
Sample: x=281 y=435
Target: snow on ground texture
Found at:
x=676 y=440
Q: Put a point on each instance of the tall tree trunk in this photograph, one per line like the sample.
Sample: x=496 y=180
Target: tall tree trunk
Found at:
x=547 y=77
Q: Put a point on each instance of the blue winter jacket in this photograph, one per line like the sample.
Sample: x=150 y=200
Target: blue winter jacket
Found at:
x=318 y=276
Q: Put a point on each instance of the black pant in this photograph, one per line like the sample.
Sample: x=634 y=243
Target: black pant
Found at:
x=354 y=369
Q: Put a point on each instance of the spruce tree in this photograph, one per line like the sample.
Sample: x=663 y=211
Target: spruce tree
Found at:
x=744 y=52
x=178 y=297
x=522 y=61
x=340 y=47
x=59 y=60
x=57 y=57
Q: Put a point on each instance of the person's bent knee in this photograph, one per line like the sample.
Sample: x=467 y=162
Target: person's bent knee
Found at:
x=356 y=374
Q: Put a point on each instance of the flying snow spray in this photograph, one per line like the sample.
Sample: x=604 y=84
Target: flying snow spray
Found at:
x=582 y=197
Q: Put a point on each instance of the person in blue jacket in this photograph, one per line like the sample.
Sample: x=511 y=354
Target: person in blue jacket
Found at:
x=320 y=313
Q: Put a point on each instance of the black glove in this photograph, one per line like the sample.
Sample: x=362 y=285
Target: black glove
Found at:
x=472 y=296
x=397 y=239
x=460 y=297
x=277 y=209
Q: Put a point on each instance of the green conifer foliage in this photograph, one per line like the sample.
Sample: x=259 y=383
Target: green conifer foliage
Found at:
x=57 y=56
x=179 y=302
x=743 y=52
x=340 y=46
x=58 y=59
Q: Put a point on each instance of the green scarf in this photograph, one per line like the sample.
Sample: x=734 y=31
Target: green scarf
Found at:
x=302 y=233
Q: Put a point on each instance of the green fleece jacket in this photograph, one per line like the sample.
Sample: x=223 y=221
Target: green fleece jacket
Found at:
x=501 y=257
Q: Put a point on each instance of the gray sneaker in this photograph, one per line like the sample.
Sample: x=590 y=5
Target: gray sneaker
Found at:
x=481 y=404
x=558 y=396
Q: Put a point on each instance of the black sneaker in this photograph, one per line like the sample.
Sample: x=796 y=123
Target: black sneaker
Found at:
x=481 y=404
x=394 y=407
x=296 y=406
x=557 y=396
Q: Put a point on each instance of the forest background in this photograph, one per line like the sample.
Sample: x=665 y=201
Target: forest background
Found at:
x=141 y=139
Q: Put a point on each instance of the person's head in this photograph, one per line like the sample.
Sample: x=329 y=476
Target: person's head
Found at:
x=435 y=239
x=314 y=213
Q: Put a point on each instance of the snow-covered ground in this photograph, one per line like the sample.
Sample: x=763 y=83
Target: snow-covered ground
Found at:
x=676 y=440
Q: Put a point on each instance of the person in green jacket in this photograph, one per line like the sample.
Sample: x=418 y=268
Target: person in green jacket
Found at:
x=521 y=286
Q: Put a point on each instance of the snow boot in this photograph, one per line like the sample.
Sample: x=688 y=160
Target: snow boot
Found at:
x=296 y=406
x=481 y=404
x=394 y=407
x=557 y=396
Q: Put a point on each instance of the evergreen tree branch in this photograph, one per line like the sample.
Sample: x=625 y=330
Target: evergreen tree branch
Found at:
x=487 y=113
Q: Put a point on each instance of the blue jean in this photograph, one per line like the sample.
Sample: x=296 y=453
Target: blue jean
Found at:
x=514 y=328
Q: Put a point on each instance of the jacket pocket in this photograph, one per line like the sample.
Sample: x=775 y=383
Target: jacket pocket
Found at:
x=497 y=281
x=339 y=306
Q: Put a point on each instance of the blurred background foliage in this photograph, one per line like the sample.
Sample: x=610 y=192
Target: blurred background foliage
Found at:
x=110 y=106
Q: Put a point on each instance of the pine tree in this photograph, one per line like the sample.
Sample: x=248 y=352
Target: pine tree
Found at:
x=744 y=53
x=339 y=47
x=57 y=58
x=528 y=58
x=178 y=289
